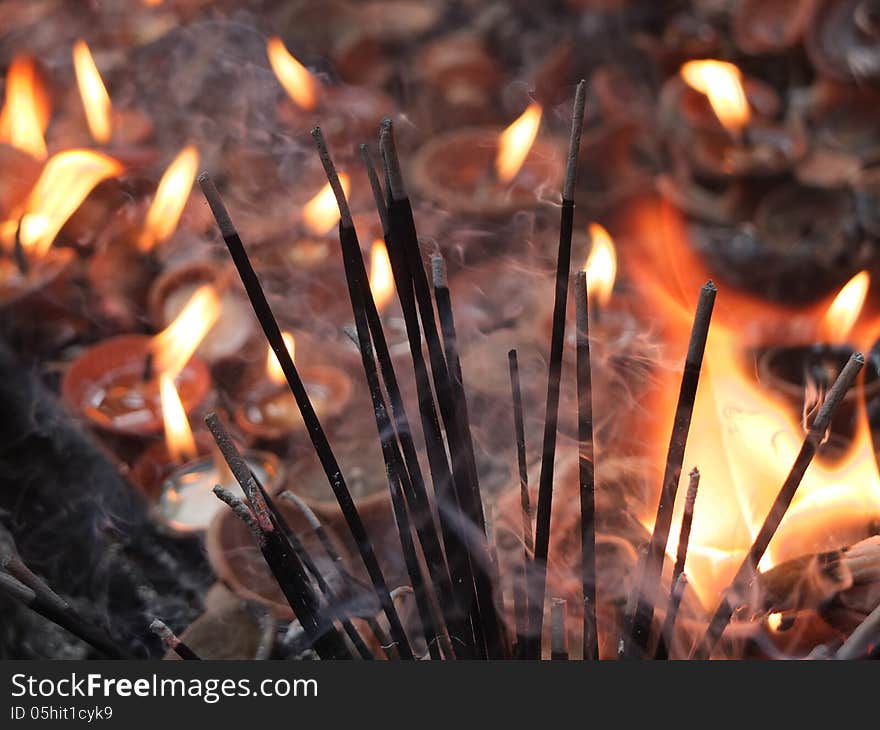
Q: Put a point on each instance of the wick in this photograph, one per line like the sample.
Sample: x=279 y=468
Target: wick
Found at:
x=147 y=372
x=21 y=259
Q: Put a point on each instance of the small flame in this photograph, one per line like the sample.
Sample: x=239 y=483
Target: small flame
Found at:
x=721 y=82
x=381 y=277
x=171 y=196
x=67 y=178
x=516 y=141
x=178 y=434
x=26 y=111
x=321 y=213
x=774 y=621
x=273 y=367
x=844 y=311
x=601 y=265
x=174 y=346
x=299 y=84
x=95 y=98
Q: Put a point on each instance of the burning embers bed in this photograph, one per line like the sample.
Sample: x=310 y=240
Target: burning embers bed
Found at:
x=706 y=482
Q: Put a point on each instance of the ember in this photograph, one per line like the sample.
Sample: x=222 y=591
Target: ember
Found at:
x=309 y=407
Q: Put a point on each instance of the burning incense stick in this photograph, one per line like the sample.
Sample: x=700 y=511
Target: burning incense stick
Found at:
x=780 y=505
x=586 y=468
x=637 y=632
x=557 y=339
x=316 y=432
x=172 y=642
x=677 y=591
x=520 y=592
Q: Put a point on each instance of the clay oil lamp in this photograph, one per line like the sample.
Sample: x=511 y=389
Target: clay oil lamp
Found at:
x=269 y=413
x=186 y=503
x=128 y=257
x=347 y=114
x=125 y=132
x=842 y=40
x=744 y=140
x=488 y=172
x=803 y=373
x=115 y=383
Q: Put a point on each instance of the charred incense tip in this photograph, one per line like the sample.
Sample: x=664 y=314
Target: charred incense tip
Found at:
x=168 y=637
x=582 y=315
x=836 y=394
x=375 y=186
x=307 y=512
x=710 y=286
x=577 y=125
x=332 y=177
x=392 y=162
x=241 y=511
x=558 y=637
x=215 y=202
x=438 y=272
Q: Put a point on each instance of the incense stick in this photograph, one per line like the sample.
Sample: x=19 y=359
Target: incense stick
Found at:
x=172 y=642
x=637 y=633
x=586 y=468
x=520 y=592
x=316 y=432
x=667 y=633
x=558 y=635
x=557 y=339
x=684 y=535
x=780 y=505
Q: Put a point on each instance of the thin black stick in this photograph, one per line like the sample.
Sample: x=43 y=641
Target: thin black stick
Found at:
x=668 y=631
x=58 y=612
x=520 y=592
x=586 y=468
x=557 y=340
x=316 y=432
x=684 y=535
x=558 y=634
x=637 y=633
x=780 y=505
x=172 y=642
x=21 y=259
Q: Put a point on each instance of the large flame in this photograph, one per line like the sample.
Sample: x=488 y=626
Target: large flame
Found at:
x=601 y=265
x=381 y=276
x=171 y=196
x=743 y=437
x=299 y=84
x=178 y=434
x=273 y=367
x=95 y=99
x=26 y=110
x=721 y=82
x=841 y=316
x=67 y=178
x=321 y=213
x=516 y=141
x=175 y=345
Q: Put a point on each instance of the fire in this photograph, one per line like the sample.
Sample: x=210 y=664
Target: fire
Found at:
x=841 y=316
x=743 y=436
x=721 y=82
x=381 y=277
x=299 y=84
x=178 y=434
x=321 y=213
x=516 y=141
x=273 y=367
x=26 y=110
x=95 y=99
x=601 y=265
x=175 y=345
x=171 y=196
x=66 y=180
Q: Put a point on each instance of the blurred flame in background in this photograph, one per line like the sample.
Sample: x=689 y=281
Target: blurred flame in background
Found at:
x=321 y=213
x=172 y=193
x=601 y=265
x=26 y=109
x=721 y=82
x=273 y=367
x=299 y=84
x=175 y=345
x=178 y=435
x=95 y=99
x=516 y=141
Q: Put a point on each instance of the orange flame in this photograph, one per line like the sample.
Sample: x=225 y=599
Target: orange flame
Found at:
x=178 y=435
x=841 y=316
x=299 y=84
x=67 y=178
x=26 y=111
x=273 y=367
x=743 y=436
x=601 y=265
x=516 y=141
x=95 y=99
x=721 y=82
x=321 y=213
x=381 y=276
x=175 y=345
x=171 y=196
